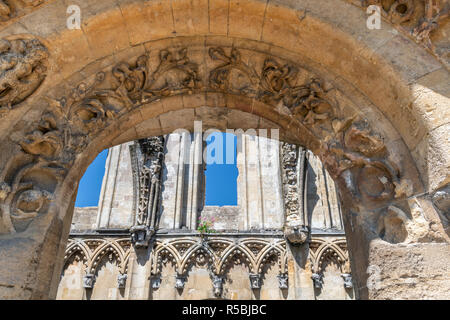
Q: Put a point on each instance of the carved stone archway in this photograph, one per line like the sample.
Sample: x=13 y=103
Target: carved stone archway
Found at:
x=377 y=119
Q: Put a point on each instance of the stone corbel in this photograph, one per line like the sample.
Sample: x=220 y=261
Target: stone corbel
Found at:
x=318 y=280
x=121 y=280
x=217 y=285
x=283 y=279
x=296 y=235
x=180 y=281
x=155 y=281
x=255 y=281
x=348 y=284
x=88 y=281
x=141 y=236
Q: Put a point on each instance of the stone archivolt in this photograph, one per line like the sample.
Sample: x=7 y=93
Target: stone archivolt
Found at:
x=354 y=156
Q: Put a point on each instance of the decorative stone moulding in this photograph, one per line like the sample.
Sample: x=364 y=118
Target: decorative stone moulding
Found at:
x=88 y=281
x=348 y=284
x=121 y=280
x=283 y=280
x=318 y=280
x=255 y=281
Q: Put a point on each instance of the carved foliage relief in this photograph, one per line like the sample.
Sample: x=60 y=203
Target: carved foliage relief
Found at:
x=349 y=149
x=22 y=70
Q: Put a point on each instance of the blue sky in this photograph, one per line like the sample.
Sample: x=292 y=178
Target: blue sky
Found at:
x=220 y=187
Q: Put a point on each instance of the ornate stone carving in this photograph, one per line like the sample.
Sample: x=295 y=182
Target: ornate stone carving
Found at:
x=348 y=284
x=88 y=281
x=255 y=281
x=434 y=14
x=22 y=70
x=217 y=285
x=283 y=279
x=183 y=251
x=141 y=236
x=293 y=173
x=13 y=8
x=324 y=251
x=149 y=157
x=218 y=255
x=233 y=74
x=92 y=251
x=317 y=280
x=121 y=280
x=155 y=281
x=180 y=281
x=416 y=18
x=351 y=152
x=21 y=201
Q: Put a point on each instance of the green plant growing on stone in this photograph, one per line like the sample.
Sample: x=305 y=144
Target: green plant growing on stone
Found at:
x=205 y=225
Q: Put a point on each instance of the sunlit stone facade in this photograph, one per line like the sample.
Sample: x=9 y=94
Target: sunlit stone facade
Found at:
x=283 y=240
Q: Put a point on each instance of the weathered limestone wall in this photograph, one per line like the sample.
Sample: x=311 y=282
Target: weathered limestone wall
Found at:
x=84 y=219
x=259 y=214
x=322 y=204
x=259 y=183
x=116 y=197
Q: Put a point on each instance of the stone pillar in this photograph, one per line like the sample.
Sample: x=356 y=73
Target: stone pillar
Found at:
x=115 y=205
x=259 y=183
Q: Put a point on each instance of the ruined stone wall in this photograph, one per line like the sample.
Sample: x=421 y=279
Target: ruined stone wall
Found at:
x=247 y=257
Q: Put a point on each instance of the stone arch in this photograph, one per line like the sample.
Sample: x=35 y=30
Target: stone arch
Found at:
x=340 y=92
